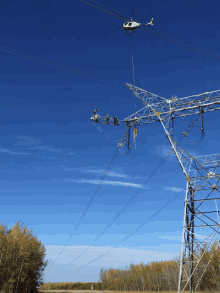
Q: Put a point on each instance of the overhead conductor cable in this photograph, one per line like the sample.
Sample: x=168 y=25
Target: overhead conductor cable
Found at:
x=87 y=207
x=125 y=206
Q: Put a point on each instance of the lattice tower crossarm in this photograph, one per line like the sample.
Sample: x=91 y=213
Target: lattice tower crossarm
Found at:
x=167 y=109
x=173 y=108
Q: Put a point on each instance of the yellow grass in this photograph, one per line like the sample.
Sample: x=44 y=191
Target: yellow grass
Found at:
x=107 y=291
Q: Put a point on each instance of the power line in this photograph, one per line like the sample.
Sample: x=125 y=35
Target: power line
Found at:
x=106 y=7
x=97 y=189
x=186 y=45
x=89 y=204
x=151 y=217
x=22 y=101
x=140 y=226
x=146 y=181
x=62 y=67
x=190 y=45
x=126 y=205
x=101 y=8
x=117 y=216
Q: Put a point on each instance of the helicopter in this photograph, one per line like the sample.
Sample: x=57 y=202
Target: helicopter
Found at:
x=133 y=25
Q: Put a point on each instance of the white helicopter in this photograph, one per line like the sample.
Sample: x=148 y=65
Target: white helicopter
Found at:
x=133 y=25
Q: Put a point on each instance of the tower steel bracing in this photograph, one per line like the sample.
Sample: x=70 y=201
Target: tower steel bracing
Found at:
x=201 y=216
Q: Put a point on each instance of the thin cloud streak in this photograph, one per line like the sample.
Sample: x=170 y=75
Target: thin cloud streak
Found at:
x=100 y=171
x=46 y=148
x=24 y=140
x=114 y=183
x=175 y=189
x=12 y=153
x=34 y=144
x=179 y=238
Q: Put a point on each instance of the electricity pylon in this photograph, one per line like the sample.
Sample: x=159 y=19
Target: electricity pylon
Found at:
x=201 y=173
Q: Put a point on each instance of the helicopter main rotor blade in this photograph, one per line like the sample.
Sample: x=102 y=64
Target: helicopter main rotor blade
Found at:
x=133 y=14
x=127 y=17
x=116 y=15
x=122 y=17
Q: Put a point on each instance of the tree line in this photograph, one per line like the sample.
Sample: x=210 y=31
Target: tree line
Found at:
x=164 y=275
x=154 y=276
x=21 y=260
x=72 y=286
x=22 y=263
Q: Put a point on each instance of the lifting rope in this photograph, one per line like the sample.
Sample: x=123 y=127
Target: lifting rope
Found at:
x=132 y=62
x=132 y=65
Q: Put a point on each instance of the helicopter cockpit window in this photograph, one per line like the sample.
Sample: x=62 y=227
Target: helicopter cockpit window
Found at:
x=129 y=24
x=126 y=23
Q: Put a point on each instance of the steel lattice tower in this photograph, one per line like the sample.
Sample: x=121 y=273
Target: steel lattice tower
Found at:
x=201 y=216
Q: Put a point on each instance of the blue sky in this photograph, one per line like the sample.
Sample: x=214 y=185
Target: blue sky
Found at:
x=53 y=158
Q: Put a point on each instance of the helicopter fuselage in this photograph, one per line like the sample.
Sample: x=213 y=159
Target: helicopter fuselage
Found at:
x=130 y=25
